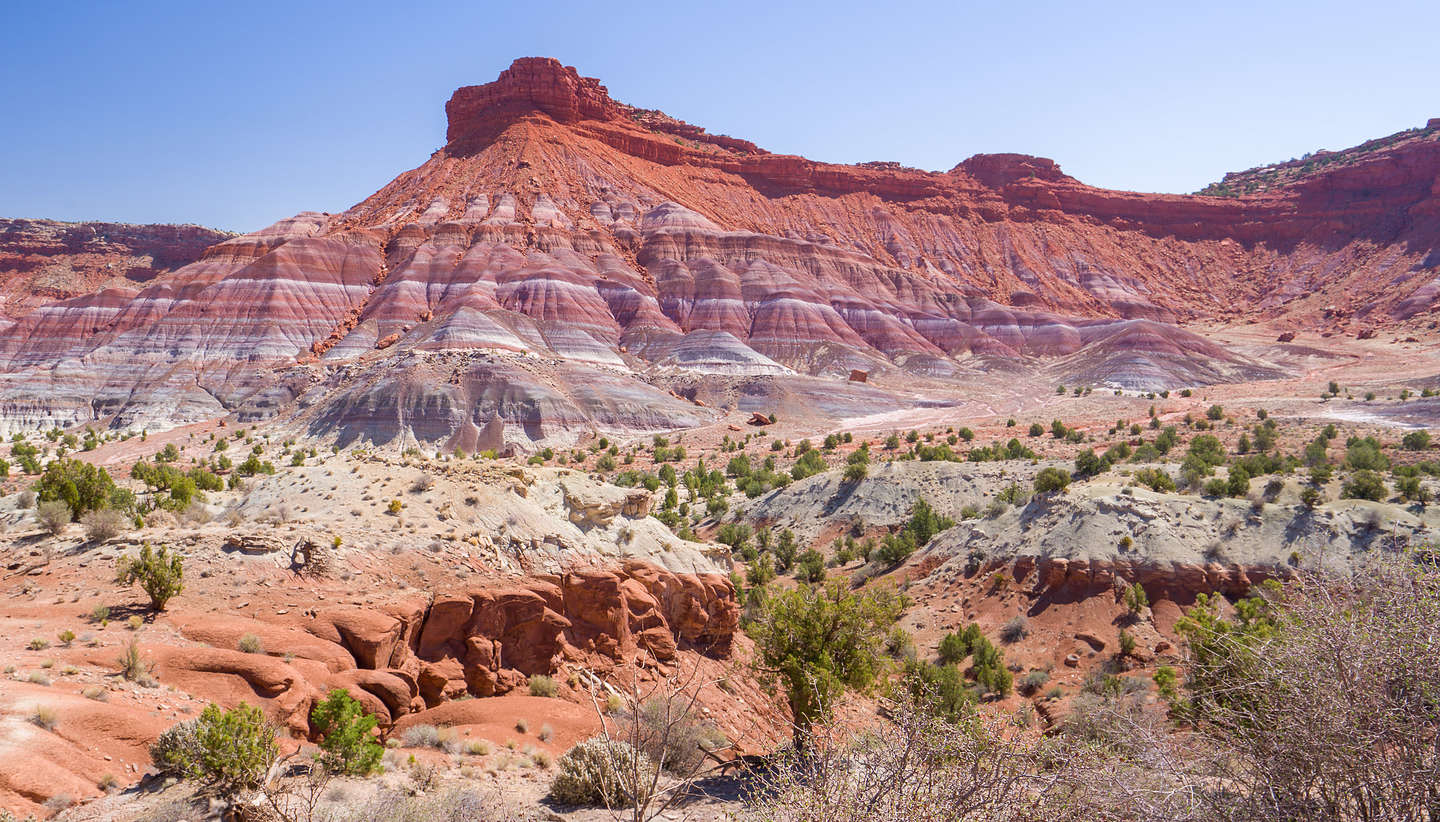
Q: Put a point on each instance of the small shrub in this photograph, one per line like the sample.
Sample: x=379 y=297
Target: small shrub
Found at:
x=175 y=747
x=522 y=725
x=250 y=644
x=38 y=644
x=1015 y=630
x=1136 y=600
x=44 y=717
x=1127 y=643
x=422 y=736
x=348 y=745
x=600 y=771
x=1366 y=485
x=132 y=667
x=160 y=574
x=196 y=513
x=53 y=516
x=477 y=747
x=541 y=685
x=1167 y=683
x=545 y=733
x=1051 y=479
x=96 y=693
x=955 y=647
x=671 y=735
x=66 y=637
x=103 y=524
x=100 y=613
x=1032 y=682
x=228 y=750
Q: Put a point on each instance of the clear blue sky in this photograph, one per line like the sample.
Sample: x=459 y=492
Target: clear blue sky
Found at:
x=235 y=114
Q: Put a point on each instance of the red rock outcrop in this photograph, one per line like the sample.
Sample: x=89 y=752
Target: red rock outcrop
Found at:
x=44 y=260
x=489 y=640
x=561 y=223
x=1058 y=578
x=484 y=641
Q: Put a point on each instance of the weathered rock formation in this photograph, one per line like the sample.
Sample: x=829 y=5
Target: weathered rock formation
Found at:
x=562 y=242
x=483 y=641
x=42 y=261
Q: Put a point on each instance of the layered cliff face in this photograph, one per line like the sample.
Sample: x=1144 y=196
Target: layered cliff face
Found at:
x=44 y=260
x=563 y=245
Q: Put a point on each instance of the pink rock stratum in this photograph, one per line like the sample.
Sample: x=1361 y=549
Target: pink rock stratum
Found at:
x=563 y=249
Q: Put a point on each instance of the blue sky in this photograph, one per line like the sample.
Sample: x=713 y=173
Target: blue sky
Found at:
x=237 y=114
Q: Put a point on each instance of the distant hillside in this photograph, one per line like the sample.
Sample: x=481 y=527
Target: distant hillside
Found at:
x=1261 y=179
x=46 y=260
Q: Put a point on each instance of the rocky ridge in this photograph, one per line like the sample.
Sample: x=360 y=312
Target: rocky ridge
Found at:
x=564 y=256
x=486 y=640
x=42 y=261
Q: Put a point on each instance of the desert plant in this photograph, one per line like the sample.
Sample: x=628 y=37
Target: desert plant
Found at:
x=159 y=573
x=250 y=644
x=44 y=716
x=1050 y=480
x=1136 y=600
x=914 y=767
x=596 y=772
x=541 y=685
x=1032 y=682
x=955 y=647
x=132 y=666
x=941 y=688
x=1015 y=629
x=347 y=742
x=53 y=516
x=176 y=746
x=103 y=524
x=232 y=750
x=819 y=641
x=669 y=730
x=1312 y=690
x=452 y=804
x=1366 y=485
x=1127 y=643
x=477 y=747
x=80 y=485
x=423 y=736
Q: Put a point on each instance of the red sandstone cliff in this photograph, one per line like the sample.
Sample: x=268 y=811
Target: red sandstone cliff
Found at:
x=560 y=222
x=44 y=260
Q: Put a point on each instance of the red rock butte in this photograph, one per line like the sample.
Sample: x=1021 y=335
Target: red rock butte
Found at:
x=566 y=261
